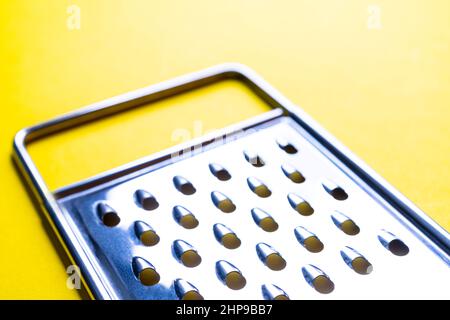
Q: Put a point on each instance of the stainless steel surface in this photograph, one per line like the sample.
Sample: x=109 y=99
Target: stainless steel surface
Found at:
x=112 y=257
x=395 y=273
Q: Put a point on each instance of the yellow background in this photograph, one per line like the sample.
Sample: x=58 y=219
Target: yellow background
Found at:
x=384 y=92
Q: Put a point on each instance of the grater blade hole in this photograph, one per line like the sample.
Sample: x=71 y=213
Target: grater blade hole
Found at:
x=287 y=146
x=300 y=205
x=186 y=291
x=258 y=187
x=226 y=236
x=184 y=217
x=111 y=219
x=323 y=284
x=183 y=185
x=146 y=200
x=186 y=254
x=231 y=241
x=222 y=202
x=273 y=292
x=191 y=259
x=313 y=244
x=146 y=234
x=398 y=248
x=362 y=266
x=349 y=227
x=149 y=277
x=339 y=194
x=226 y=206
x=192 y=295
x=145 y=272
x=304 y=209
x=149 y=238
x=189 y=222
x=254 y=159
x=317 y=279
x=308 y=240
x=108 y=215
x=275 y=262
x=264 y=220
x=268 y=224
x=345 y=224
x=235 y=280
x=356 y=261
x=270 y=257
x=230 y=275
x=219 y=172
x=393 y=244
x=334 y=190
x=293 y=174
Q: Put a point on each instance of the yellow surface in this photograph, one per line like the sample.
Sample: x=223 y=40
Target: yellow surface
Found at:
x=380 y=85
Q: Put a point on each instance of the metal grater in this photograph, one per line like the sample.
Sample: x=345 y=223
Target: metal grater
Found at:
x=270 y=208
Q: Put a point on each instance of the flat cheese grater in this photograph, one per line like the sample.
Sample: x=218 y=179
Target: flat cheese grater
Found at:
x=270 y=208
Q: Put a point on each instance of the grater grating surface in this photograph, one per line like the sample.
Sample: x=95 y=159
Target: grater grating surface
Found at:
x=118 y=245
x=331 y=235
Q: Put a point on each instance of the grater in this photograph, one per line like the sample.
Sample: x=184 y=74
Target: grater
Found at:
x=270 y=208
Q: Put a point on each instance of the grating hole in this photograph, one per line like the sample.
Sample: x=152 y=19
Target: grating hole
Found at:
x=334 y=190
x=183 y=185
x=356 y=261
x=108 y=215
x=258 y=187
x=398 y=248
x=231 y=241
x=184 y=217
x=186 y=254
x=264 y=220
x=149 y=238
x=146 y=200
x=339 y=194
x=190 y=259
x=189 y=222
x=300 y=205
x=186 y=291
x=349 y=227
x=226 y=236
x=222 y=202
x=362 y=266
x=111 y=219
x=293 y=174
x=275 y=262
x=149 y=277
x=235 y=280
x=308 y=240
x=145 y=272
x=268 y=224
x=192 y=295
x=270 y=257
x=273 y=292
x=323 y=284
x=286 y=146
x=393 y=244
x=230 y=275
x=317 y=279
x=254 y=159
x=313 y=244
x=226 y=206
x=219 y=172
x=304 y=209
